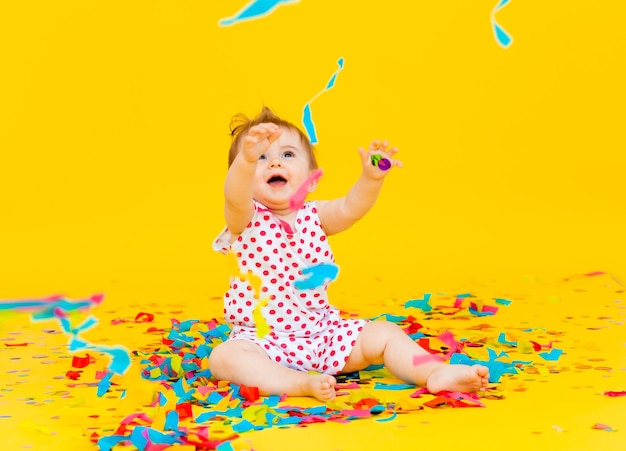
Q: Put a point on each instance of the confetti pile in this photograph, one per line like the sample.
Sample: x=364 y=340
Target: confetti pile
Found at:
x=174 y=402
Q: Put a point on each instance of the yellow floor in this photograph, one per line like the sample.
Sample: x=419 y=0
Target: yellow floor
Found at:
x=559 y=404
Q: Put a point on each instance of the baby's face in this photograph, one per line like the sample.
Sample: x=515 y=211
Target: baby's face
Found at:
x=281 y=170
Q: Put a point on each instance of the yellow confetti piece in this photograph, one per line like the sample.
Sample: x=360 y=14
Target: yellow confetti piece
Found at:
x=408 y=404
x=198 y=327
x=337 y=405
x=176 y=363
x=525 y=347
x=227 y=403
x=256 y=414
x=255 y=281
x=262 y=328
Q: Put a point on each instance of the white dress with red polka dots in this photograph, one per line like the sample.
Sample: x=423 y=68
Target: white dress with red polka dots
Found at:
x=306 y=332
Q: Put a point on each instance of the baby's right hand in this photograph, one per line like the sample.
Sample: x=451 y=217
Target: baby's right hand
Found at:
x=258 y=139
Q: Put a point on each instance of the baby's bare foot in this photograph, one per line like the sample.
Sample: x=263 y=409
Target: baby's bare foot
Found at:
x=322 y=386
x=461 y=378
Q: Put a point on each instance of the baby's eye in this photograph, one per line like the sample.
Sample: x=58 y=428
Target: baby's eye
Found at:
x=288 y=154
x=262 y=157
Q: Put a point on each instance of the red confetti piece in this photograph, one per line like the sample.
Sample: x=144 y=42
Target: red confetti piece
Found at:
x=249 y=393
x=615 y=393
x=74 y=375
x=143 y=317
x=80 y=362
x=155 y=329
x=184 y=410
x=16 y=344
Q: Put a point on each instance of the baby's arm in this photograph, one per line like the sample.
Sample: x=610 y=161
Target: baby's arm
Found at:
x=339 y=214
x=238 y=203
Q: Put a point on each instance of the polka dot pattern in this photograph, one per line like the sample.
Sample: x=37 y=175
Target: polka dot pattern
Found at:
x=307 y=333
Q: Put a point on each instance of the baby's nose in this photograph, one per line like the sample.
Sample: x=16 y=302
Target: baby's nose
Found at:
x=275 y=162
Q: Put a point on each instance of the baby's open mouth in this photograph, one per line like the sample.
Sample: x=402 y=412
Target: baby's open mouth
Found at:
x=277 y=180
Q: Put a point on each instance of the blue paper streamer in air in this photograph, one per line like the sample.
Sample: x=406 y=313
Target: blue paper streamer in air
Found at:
x=503 y=38
x=307 y=118
x=255 y=9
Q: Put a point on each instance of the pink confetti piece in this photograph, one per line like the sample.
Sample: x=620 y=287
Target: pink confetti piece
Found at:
x=350 y=386
x=297 y=200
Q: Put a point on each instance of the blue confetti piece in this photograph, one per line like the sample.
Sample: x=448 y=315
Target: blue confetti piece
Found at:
x=416 y=336
x=553 y=355
x=393 y=416
x=120 y=357
x=391 y=318
x=159 y=438
x=382 y=386
x=214 y=397
x=107 y=443
x=104 y=384
x=374 y=367
x=422 y=304
x=503 y=301
x=309 y=127
x=179 y=390
x=503 y=38
x=243 y=426
x=319 y=275
x=236 y=412
x=496 y=369
x=475 y=312
x=225 y=446
x=138 y=437
x=272 y=401
x=288 y=421
x=307 y=117
x=255 y=9
x=502 y=339
x=171 y=421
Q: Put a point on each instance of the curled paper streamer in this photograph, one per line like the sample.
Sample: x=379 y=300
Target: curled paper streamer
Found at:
x=503 y=38
x=307 y=117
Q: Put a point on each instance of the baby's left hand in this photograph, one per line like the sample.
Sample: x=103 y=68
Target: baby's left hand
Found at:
x=378 y=160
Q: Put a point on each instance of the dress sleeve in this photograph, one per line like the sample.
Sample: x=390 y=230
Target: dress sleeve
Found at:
x=223 y=241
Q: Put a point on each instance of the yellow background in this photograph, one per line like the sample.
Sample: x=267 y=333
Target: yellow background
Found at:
x=113 y=149
x=114 y=134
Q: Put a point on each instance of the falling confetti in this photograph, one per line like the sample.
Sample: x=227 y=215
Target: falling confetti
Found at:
x=317 y=276
x=255 y=9
x=297 y=200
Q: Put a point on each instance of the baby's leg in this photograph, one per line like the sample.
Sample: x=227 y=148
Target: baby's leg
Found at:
x=245 y=363
x=384 y=342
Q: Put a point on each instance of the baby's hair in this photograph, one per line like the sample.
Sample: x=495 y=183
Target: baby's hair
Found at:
x=240 y=124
